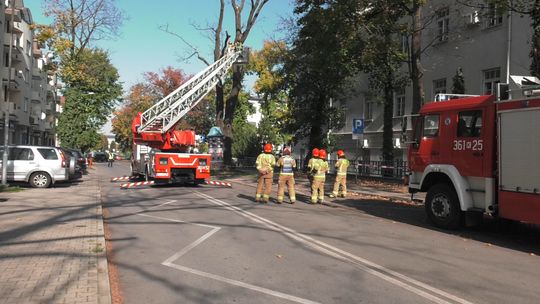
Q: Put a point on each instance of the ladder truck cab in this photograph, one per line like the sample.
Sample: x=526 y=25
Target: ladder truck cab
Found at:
x=162 y=153
x=479 y=155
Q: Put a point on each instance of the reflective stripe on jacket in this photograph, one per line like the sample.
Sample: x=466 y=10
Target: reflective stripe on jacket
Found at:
x=266 y=162
x=287 y=163
x=341 y=166
x=320 y=167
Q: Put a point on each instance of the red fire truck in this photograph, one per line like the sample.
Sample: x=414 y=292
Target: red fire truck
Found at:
x=479 y=155
x=162 y=153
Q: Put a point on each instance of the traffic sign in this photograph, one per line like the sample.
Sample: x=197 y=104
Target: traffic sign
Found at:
x=357 y=127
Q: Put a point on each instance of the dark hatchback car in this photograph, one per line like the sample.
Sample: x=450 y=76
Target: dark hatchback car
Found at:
x=100 y=157
x=75 y=170
x=81 y=160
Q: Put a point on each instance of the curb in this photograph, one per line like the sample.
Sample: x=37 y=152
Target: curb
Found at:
x=104 y=286
x=351 y=191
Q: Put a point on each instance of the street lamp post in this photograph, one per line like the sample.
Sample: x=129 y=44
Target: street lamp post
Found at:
x=8 y=98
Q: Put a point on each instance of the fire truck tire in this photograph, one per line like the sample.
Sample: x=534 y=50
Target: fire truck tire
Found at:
x=442 y=207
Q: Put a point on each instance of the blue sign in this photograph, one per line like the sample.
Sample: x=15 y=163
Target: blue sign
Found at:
x=358 y=126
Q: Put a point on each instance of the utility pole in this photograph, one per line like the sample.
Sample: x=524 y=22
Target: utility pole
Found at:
x=8 y=98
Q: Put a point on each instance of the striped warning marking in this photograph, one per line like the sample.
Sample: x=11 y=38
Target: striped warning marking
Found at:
x=122 y=178
x=216 y=183
x=131 y=185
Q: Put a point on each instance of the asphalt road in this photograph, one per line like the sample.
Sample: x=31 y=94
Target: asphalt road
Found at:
x=215 y=245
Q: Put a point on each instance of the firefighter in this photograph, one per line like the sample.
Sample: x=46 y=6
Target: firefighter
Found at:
x=314 y=158
x=341 y=175
x=286 y=176
x=317 y=187
x=265 y=165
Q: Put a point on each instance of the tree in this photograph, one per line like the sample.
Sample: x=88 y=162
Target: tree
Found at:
x=91 y=91
x=77 y=24
x=324 y=54
x=382 y=59
x=142 y=96
x=458 y=82
x=226 y=106
x=91 y=82
x=270 y=86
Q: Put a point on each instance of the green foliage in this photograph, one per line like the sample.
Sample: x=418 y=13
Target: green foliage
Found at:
x=92 y=89
x=324 y=53
x=267 y=64
x=245 y=142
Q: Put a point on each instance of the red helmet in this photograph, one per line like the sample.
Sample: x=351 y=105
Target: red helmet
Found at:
x=287 y=151
x=315 y=152
x=322 y=154
x=340 y=153
x=268 y=148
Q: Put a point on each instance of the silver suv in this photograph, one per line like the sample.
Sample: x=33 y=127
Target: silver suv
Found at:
x=40 y=166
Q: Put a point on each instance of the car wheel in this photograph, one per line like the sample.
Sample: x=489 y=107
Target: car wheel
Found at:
x=442 y=207
x=40 y=180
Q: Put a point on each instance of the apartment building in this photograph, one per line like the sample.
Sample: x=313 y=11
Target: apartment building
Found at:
x=477 y=40
x=28 y=93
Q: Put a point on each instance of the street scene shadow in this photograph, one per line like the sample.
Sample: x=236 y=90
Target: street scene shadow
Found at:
x=512 y=235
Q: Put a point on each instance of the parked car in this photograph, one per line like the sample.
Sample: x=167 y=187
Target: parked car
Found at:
x=81 y=160
x=75 y=170
x=100 y=157
x=37 y=165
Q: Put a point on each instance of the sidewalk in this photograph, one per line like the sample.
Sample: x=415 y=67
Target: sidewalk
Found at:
x=303 y=187
x=52 y=246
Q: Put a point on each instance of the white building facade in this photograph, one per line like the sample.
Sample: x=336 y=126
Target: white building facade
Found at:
x=486 y=46
x=28 y=92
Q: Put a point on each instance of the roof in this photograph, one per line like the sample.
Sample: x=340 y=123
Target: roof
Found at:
x=458 y=104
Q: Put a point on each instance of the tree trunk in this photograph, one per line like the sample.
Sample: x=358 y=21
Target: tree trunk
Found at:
x=230 y=107
x=416 y=68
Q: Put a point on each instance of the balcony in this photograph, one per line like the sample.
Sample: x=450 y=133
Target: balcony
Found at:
x=36 y=97
x=15 y=12
x=16 y=78
x=37 y=73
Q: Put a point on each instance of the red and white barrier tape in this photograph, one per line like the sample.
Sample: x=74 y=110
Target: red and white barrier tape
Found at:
x=122 y=178
x=131 y=185
x=216 y=183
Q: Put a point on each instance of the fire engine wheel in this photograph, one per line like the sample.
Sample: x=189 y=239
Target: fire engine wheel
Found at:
x=442 y=207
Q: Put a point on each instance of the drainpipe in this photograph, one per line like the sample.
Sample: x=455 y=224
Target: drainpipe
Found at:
x=509 y=44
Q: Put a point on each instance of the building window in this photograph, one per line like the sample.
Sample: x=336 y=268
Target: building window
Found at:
x=405 y=44
x=439 y=87
x=493 y=16
x=443 y=21
x=400 y=103
x=369 y=111
x=25 y=105
x=28 y=48
x=491 y=78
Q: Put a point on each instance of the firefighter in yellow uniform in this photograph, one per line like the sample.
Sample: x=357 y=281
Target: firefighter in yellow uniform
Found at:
x=314 y=158
x=341 y=175
x=265 y=165
x=320 y=167
x=286 y=176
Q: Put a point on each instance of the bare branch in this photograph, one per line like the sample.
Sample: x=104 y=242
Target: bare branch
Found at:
x=196 y=52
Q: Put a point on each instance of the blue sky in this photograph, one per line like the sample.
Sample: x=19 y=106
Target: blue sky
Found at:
x=142 y=47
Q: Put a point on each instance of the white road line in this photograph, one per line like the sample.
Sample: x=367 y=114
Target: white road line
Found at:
x=169 y=263
x=245 y=285
x=366 y=265
x=154 y=207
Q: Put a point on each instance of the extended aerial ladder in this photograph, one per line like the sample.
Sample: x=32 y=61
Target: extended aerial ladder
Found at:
x=168 y=160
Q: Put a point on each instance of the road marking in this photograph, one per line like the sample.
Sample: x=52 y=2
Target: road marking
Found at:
x=169 y=261
x=382 y=272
